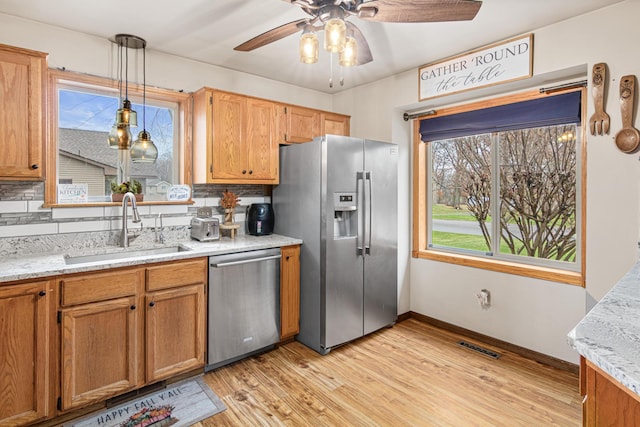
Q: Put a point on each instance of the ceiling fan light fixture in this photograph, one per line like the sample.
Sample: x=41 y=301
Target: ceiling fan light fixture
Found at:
x=349 y=55
x=335 y=32
x=309 y=47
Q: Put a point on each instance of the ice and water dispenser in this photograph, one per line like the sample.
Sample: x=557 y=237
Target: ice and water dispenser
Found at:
x=345 y=215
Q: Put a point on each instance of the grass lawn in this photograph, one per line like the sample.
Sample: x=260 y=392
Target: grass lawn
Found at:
x=460 y=241
x=439 y=211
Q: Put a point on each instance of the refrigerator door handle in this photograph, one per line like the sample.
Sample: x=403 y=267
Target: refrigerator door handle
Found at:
x=367 y=213
x=360 y=239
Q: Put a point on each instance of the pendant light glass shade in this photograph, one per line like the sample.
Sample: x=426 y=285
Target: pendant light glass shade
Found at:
x=144 y=150
x=348 y=56
x=335 y=34
x=309 y=47
x=126 y=116
x=120 y=137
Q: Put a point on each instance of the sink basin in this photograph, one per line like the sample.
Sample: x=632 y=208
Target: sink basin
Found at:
x=110 y=256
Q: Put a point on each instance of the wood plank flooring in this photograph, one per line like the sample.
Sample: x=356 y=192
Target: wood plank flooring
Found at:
x=413 y=374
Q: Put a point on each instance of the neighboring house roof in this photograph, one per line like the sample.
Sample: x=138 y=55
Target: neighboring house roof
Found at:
x=92 y=147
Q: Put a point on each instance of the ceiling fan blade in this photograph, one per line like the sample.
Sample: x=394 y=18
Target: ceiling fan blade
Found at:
x=272 y=35
x=418 y=10
x=364 y=53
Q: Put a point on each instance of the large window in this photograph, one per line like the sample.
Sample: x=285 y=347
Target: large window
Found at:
x=81 y=117
x=500 y=187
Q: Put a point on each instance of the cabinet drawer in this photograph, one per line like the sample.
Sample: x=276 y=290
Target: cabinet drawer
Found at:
x=100 y=286
x=177 y=274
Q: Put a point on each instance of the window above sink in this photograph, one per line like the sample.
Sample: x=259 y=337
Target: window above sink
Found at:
x=81 y=113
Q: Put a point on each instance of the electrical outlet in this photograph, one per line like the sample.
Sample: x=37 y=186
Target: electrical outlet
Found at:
x=484 y=298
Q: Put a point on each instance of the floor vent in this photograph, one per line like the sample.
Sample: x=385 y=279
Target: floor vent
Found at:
x=481 y=350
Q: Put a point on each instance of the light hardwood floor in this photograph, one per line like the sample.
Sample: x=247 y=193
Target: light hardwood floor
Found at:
x=412 y=374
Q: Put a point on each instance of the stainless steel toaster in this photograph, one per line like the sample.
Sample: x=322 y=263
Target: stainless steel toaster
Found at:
x=205 y=229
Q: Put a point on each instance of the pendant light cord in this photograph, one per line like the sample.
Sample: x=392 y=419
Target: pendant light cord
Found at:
x=126 y=88
x=144 y=88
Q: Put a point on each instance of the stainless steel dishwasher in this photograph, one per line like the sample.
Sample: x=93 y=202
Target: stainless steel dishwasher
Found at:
x=244 y=305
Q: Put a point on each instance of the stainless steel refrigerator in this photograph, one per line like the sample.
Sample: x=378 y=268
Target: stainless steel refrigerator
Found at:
x=339 y=195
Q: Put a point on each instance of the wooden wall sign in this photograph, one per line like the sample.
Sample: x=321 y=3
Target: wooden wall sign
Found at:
x=501 y=62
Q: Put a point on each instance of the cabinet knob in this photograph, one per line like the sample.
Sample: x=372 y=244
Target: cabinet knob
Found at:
x=244 y=171
x=42 y=293
x=151 y=304
x=34 y=166
x=287 y=258
x=133 y=307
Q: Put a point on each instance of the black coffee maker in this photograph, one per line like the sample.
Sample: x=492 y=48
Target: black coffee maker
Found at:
x=260 y=219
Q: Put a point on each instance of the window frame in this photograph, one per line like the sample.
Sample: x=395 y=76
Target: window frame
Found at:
x=70 y=79
x=421 y=203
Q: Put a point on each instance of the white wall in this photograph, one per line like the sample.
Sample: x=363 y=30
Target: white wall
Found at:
x=531 y=313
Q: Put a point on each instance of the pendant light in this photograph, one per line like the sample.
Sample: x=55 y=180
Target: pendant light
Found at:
x=120 y=136
x=144 y=150
x=308 y=46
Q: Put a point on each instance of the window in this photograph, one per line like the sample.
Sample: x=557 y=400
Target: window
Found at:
x=500 y=186
x=80 y=120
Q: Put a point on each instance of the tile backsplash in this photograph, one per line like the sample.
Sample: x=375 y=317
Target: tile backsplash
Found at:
x=27 y=227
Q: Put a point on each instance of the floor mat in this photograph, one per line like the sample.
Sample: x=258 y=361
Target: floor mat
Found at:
x=179 y=405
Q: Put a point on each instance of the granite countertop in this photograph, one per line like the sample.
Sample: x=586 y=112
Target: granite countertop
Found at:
x=609 y=335
x=14 y=268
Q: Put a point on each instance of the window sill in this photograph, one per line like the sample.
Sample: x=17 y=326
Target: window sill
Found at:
x=99 y=204
x=543 y=273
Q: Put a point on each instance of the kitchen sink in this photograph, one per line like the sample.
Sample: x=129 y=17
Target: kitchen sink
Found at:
x=110 y=256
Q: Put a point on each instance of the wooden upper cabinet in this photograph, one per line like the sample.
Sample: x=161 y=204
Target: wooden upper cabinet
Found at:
x=301 y=124
x=235 y=139
x=22 y=92
x=261 y=143
x=24 y=353
x=335 y=124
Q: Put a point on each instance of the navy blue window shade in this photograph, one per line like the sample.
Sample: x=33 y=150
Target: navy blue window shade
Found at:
x=545 y=111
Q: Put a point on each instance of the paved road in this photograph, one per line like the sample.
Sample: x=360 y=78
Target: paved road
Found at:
x=466 y=227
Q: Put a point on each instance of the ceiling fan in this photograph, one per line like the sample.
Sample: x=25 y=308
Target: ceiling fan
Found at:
x=323 y=11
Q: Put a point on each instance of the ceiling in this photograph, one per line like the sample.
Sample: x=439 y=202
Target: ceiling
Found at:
x=208 y=30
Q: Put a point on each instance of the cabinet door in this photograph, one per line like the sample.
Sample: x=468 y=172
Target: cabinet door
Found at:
x=608 y=402
x=21 y=113
x=289 y=291
x=261 y=146
x=24 y=353
x=228 y=127
x=303 y=124
x=175 y=331
x=335 y=124
x=99 y=351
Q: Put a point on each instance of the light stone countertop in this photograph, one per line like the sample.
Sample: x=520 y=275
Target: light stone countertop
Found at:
x=609 y=335
x=21 y=267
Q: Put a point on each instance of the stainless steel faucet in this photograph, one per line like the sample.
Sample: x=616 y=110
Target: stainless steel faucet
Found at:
x=124 y=240
x=159 y=231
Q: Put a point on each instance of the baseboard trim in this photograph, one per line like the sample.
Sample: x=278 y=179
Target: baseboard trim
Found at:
x=521 y=351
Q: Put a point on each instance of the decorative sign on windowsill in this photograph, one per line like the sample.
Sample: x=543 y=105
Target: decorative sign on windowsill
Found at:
x=486 y=66
x=73 y=193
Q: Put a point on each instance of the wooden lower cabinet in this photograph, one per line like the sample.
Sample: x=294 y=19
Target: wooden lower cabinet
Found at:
x=25 y=328
x=99 y=351
x=607 y=402
x=289 y=291
x=100 y=339
x=125 y=328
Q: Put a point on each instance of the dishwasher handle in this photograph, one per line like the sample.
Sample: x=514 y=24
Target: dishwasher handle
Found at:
x=245 y=261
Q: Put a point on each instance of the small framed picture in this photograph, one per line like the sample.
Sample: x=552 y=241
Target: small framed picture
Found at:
x=177 y=193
